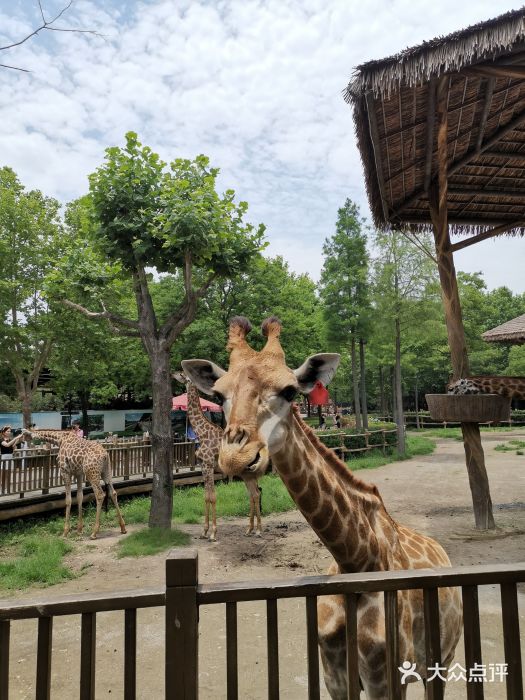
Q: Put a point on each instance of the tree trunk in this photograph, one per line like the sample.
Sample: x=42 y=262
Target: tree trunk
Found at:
x=416 y=397
x=364 y=408
x=382 y=398
x=84 y=406
x=161 y=438
x=320 y=414
x=475 y=459
x=392 y=393
x=400 y=416
x=26 y=399
x=355 y=382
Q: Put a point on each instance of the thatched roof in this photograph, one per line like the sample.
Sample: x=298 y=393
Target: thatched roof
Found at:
x=394 y=101
x=510 y=332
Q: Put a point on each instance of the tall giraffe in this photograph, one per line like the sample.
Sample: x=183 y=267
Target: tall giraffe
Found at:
x=347 y=514
x=86 y=460
x=210 y=437
x=512 y=387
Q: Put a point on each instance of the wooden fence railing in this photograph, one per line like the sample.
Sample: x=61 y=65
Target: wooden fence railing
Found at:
x=36 y=469
x=344 y=443
x=183 y=595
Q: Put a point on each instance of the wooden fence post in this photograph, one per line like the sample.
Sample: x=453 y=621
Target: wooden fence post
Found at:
x=182 y=632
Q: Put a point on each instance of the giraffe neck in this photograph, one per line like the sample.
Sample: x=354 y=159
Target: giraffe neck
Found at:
x=347 y=514
x=57 y=437
x=195 y=415
x=513 y=387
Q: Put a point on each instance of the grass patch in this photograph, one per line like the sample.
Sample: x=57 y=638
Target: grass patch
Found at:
x=37 y=561
x=151 y=541
x=510 y=446
x=415 y=445
x=455 y=433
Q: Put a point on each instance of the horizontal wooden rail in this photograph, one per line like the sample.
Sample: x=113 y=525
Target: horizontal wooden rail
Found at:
x=374 y=581
x=83 y=603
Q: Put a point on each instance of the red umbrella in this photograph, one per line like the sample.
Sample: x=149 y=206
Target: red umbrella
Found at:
x=180 y=403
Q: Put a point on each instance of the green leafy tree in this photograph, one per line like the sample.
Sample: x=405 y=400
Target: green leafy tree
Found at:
x=171 y=219
x=344 y=290
x=29 y=244
x=402 y=272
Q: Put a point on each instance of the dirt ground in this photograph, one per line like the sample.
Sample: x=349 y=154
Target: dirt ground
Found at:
x=429 y=493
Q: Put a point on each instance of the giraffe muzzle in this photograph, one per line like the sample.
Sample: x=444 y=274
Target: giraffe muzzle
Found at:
x=234 y=459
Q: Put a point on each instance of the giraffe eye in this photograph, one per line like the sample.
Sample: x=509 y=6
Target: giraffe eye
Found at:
x=288 y=393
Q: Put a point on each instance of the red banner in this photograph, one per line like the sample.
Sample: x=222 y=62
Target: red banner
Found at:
x=319 y=395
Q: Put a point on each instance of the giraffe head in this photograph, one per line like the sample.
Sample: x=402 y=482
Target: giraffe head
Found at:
x=257 y=393
x=462 y=387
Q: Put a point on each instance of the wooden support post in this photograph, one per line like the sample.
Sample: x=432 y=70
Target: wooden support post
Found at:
x=182 y=626
x=475 y=459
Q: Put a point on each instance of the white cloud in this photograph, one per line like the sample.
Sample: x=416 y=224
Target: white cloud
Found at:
x=255 y=85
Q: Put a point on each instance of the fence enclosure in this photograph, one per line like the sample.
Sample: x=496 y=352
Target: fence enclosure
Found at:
x=36 y=469
x=183 y=596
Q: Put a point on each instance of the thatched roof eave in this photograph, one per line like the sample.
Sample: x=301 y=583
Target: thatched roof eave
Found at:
x=512 y=332
x=394 y=107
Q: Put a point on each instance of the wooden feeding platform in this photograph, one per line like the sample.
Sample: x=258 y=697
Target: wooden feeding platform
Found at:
x=469 y=408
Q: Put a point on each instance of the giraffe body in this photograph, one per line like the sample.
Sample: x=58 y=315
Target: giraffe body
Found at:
x=347 y=514
x=210 y=437
x=83 y=460
x=512 y=387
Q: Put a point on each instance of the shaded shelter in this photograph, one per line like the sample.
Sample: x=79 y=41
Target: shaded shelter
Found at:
x=441 y=132
x=511 y=332
x=180 y=403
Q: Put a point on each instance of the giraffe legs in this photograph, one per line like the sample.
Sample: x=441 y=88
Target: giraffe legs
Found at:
x=113 y=495
x=99 y=495
x=66 y=478
x=255 y=504
x=210 y=502
x=80 y=498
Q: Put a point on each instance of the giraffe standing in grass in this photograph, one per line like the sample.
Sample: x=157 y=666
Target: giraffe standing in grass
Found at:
x=210 y=437
x=347 y=514
x=84 y=460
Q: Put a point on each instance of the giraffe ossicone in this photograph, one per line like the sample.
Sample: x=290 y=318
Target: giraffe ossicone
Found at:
x=347 y=514
x=84 y=460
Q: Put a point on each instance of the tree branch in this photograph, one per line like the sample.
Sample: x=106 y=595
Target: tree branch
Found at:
x=119 y=320
x=45 y=25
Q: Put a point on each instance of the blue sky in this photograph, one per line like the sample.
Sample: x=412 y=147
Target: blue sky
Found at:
x=254 y=84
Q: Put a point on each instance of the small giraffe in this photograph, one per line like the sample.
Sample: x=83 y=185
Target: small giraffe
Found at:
x=210 y=436
x=347 y=514
x=512 y=387
x=87 y=461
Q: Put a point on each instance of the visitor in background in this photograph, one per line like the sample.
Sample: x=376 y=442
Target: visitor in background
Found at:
x=338 y=422
x=7 y=445
x=77 y=430
x=322 y=424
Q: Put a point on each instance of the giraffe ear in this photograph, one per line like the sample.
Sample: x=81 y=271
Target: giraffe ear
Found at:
x=320 y=367
x=203 y=374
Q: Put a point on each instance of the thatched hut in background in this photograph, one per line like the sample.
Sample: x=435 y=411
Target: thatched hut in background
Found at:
x=441 y=133
x=511 y=332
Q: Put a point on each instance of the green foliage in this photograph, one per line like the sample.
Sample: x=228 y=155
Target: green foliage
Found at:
x=267 y=287
x=30 y=243
x=344 y=278
x=151 y=541
x=36 y=560
x=516 y=361
x=147 y=215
